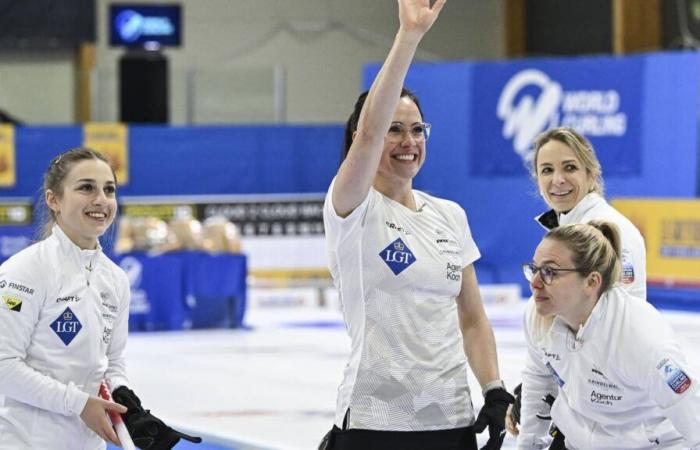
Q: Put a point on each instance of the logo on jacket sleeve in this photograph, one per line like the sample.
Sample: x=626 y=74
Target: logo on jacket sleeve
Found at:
x=13 y=303
x=627 y=274
x=66 y=326
x=397 y=256
x=674 y=376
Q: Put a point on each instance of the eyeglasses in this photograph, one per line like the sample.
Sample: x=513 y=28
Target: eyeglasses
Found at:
x=547 y=273
x=420 y=131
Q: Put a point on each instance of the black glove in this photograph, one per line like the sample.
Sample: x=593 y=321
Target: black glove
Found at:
x=515 y=412
x=493 y=414
x=147 y=431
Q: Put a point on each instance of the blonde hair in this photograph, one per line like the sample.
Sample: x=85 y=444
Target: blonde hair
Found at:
x=581 y=147
x=595 y=247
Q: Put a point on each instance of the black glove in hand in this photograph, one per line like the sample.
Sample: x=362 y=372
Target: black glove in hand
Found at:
x=515 y=412
x=493 y=415
x=147 y=431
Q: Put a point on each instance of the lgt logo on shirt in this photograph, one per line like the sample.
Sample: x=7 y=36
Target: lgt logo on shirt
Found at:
x=67 y=326
x=397 y=256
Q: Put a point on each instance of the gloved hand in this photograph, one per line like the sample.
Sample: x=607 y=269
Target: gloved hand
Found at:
x=493 y=415
x=147 y=431
x=515 y=411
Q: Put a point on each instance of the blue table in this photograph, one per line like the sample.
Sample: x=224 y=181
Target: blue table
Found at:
x=183 y=290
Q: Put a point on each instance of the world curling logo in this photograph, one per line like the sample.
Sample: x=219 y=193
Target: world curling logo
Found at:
x=531 y=102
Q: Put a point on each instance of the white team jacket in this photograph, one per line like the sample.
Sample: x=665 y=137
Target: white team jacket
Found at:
x=621 y=382
x=634 y=255
x=63 y=328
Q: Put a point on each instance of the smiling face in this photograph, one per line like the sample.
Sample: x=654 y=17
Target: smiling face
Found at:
x=569 y=295
x=561 y=177
x=86 y=204
x=403 y=153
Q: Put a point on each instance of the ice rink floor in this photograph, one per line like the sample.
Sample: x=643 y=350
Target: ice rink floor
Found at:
x=273 y=386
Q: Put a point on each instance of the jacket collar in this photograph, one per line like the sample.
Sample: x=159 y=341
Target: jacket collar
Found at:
x=551 y=219
x=87 y=258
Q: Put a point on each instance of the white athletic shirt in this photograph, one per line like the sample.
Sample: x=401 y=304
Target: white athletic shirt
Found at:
x=621 y=381
x=398 y=273
x=633 y=252
x=59 y=337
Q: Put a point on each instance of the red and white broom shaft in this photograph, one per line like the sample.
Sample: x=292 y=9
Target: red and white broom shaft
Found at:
x=117 y=421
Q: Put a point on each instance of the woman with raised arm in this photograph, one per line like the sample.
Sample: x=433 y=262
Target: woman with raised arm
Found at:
x=402 y=262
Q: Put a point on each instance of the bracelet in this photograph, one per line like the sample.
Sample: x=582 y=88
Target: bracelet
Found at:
x=495 y=384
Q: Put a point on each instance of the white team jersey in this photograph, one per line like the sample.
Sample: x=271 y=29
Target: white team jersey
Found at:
x=621 y=381
x=633 y=252
x=398 y=273
x=59 y=337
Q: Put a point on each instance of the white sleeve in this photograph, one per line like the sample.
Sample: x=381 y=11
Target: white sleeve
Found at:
x=116 y=366
x=470 y=252
x=19 y=313
x=676 y=389
x=537 y=383
x=338 y=228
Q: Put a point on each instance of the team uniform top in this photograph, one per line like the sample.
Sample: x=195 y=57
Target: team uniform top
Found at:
x=621 y=381
x=398 y=272
x=63 y=328
x=633 y=251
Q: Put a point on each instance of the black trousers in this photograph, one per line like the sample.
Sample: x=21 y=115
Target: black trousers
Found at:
x=355 y=439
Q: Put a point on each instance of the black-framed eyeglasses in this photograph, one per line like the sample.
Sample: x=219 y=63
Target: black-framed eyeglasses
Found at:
x=547 y=273
x=419 y=131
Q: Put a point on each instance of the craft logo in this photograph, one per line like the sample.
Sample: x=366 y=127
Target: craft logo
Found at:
x=68 y=298
x=13 y=303
x=67 y=326
x=525 y=115
x=400 y=229
x=397 y=256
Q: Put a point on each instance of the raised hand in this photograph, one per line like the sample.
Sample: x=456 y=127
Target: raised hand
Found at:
x=94 y=415
x=417 y=16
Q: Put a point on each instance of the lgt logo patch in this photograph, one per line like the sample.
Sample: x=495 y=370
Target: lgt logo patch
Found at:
x=397 y=256
x=66 y=326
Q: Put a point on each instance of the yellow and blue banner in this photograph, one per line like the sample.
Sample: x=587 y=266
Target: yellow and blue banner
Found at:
x=671 y=230
x=8 y=175
x=112 y=140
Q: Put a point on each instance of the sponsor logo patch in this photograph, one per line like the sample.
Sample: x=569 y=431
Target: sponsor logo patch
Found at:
x=454 y=272
x=673 y=375
x=397 y=256
x=399 y=228
x=555 y=375
x=13 y=303
x=66 y=326
x=16 y=286
x=604 y=399
x=68 y=298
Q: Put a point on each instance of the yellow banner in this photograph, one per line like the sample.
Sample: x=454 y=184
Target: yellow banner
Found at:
x=112 y=140
x=8 y=176
x=671 y=230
